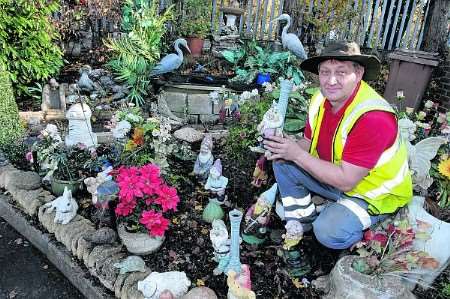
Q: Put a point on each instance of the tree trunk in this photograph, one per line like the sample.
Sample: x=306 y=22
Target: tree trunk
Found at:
x=436 y=30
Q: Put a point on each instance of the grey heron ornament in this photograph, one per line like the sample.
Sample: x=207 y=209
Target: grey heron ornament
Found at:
x=291 y=41
x=172 y=61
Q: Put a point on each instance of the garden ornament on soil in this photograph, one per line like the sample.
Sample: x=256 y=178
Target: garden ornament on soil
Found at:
x=80 y=129
x=240 y=285
x=66 y=207
x=121 y=130
x=260 y=175
x=132 y=263
x=85 y=83
x=257 y=217
x=154 y=284
x=171 y=62
x=232 y=260
x=219 y=239
x=93 y=183
x=205 y=159
x=217 y=183
x=290 y=40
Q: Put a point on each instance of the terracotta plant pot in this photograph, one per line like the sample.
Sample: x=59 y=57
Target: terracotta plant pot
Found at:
x=195 y=44
x=58 y=186
x=139 y=243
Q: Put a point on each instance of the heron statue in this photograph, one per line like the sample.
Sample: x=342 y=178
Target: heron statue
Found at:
x=291 y=41
x=172 y=61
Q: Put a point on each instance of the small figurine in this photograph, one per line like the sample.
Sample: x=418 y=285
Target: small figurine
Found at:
x=217 y=183
x=84 y=82
x=205 y=159
x=271 y=125
x=66 y=207
x=132 y=263
x=294 y=234
x=212 y=211
x=258 y=216
x=93 y=183
x=260 y=173
x=154 y=284
x=229 y=109
x=240 y=285
x=219 y=238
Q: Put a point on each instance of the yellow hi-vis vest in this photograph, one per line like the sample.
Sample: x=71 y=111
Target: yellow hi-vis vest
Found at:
x=388 y=186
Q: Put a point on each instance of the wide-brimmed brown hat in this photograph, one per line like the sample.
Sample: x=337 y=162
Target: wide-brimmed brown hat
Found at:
x=346 y=51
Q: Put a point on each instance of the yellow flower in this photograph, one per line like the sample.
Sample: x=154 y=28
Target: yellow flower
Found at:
x=444 y=168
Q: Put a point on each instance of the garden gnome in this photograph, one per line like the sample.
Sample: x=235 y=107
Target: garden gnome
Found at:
x=271 y=125
x=219 y=239
x=260 y=173
x=205 y=159
x=80 y=130
x=240 y=285
x=85 y=83
x=217 y=183
x=257 y=217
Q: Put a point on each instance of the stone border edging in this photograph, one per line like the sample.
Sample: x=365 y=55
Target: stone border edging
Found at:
x=55 y=252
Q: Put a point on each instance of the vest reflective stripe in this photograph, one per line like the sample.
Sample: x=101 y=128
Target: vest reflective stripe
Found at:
x=388 y=185
x=362 y=214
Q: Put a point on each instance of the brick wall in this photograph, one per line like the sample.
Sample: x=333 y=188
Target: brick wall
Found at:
x=444 y=81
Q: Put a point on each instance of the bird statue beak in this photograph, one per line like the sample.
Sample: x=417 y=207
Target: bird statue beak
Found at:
x=275 y=20
x=187 y=48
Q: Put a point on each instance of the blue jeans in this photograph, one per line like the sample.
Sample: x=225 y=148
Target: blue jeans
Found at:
x=337 y=226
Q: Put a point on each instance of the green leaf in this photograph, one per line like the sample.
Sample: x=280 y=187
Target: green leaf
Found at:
x=294 y=125
x=312 y=90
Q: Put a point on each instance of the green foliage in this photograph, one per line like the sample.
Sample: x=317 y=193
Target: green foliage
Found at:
x=27 y=39
x=11 y=127
x=16 y=152
x=445 y=291
x=252 y=59
x=195 y=18
x=135 y=54
x=243 y=134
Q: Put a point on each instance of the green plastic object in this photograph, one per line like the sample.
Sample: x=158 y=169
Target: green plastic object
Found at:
x=212 y=211
x=58 y=186
x=252 y=239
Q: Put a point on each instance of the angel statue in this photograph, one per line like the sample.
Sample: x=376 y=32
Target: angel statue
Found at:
x=419 y=154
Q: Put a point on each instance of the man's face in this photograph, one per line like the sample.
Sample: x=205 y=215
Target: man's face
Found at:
x=338 y=79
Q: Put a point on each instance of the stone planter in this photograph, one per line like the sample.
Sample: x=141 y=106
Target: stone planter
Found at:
x=345 y=282
x=437 y=246
x=58 y=186
x=139 y=243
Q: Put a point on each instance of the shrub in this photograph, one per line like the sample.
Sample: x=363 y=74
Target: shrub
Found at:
x=27 y=41
x=11 y=127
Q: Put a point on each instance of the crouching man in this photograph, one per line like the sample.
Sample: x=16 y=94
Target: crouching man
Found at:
x=351 y=154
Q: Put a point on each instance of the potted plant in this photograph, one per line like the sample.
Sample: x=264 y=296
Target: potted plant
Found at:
x=387 y=258
x=144 y=197
x=194 y=24
x=71 y=166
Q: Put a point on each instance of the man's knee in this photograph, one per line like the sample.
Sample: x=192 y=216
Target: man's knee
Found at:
x=336 y=229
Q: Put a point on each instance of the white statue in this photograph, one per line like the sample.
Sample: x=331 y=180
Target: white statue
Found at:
x=52 y=131
x=80 y=130
x=121 y=129
x=420 y=154
x=154 y=284
x=219 y=238
x=271 y=125
x=66 y=207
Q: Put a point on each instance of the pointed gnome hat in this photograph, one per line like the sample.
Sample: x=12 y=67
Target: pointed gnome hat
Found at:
x=269 y=195
x=207 y=141
x=218 y=166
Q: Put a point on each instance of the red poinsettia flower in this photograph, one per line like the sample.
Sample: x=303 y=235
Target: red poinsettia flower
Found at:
x=154 y=222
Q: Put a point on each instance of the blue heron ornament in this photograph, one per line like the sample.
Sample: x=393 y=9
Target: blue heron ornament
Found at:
x=291 y=41
x=172 y=61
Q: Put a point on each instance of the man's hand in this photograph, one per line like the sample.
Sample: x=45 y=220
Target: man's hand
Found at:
x=285 y=148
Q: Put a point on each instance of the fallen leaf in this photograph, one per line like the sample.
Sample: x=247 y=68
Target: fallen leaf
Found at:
x=18 y=241
x=205 y=231
x=12 y=294
x=45 y=267
x=175 y=220
x=198 y=207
